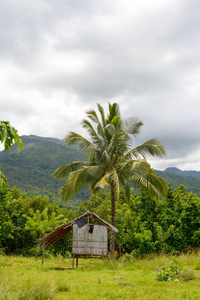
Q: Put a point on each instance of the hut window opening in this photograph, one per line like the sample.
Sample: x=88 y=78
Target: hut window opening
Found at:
x=91 y=228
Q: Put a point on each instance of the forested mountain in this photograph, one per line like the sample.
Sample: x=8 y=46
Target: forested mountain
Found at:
x=31 y=169
x=191 y=182
x=183 y=173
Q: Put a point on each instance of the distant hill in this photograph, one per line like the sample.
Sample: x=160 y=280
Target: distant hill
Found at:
x=183 y=173
x=31 y=169
x=176 y=177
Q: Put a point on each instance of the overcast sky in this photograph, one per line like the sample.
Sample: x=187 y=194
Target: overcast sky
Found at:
x=59 y=58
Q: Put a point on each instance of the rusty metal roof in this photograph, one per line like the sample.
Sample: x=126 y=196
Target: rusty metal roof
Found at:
x=55 y=235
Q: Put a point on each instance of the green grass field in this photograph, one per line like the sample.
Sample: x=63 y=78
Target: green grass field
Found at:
x=25 y=278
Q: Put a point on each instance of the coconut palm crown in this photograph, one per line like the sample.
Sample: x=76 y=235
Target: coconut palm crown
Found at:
x=112 y=162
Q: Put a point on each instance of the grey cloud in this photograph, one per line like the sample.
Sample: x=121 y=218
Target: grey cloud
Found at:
x=145 y=56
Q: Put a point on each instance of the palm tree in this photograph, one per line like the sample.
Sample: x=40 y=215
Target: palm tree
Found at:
x=112 y=162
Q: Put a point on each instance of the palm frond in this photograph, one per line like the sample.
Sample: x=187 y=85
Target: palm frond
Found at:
x=118 y=140
x=113 y=111
x=133 y=125
x=71 y=187
x=116 y=121
x=101 y=110
x=103 y=182
x=124 y=184
x=78 y=179
x=110 y=130
x=93 y=171
x=93 y=116
x=94 y=136
x=158 y=182
x=134 y=166
x=142 y=182
x=106 y=158
x=156 y=185
x=74 y=138
x=152 y=147
x=115 y=180
x=64 y=170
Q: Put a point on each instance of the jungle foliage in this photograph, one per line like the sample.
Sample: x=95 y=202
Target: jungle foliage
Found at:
x=170 y=225
x=24 y=219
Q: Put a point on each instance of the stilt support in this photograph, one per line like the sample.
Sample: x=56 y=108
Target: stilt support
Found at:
x=73 y=257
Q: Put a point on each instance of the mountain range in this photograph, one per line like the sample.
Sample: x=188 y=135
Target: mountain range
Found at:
x=31 y=169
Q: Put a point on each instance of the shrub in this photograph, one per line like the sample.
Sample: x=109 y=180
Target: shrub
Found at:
x=127 y=257
x=169 y=273
x=67 y=254
x=187 y=275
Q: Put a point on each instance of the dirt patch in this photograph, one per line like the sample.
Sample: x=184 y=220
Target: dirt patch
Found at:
x=160 y=268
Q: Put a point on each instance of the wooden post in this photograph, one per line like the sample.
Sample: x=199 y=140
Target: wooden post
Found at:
x=72 y=261
x=76 y=261
x=36 y=255
x=43 y=254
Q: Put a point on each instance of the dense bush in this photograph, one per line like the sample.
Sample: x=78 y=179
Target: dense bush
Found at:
x=23 y=220
x=170 y=225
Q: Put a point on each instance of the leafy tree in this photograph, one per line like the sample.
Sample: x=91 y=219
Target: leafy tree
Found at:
x=15 y=209
x=112 y=162
x=24 y=219
x=6 y=225
x=40 y=223
x=8 y=136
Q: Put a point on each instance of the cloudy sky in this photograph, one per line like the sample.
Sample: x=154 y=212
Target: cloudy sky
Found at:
x=59 y=58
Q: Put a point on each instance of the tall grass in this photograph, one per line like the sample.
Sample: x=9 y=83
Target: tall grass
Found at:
x=25 y=278
x=25 y=287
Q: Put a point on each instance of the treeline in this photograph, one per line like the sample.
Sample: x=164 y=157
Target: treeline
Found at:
x=170 y=225
x=24 y=219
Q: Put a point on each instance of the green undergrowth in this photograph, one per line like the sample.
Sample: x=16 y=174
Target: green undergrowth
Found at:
x=24 y=278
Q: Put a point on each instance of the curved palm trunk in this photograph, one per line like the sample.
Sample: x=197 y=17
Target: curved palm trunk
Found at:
x=112 y=242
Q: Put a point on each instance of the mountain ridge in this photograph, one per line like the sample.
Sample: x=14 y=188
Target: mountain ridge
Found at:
x=175 y=170
x=31 y=169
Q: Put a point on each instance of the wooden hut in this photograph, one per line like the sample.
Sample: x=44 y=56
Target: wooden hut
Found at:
x=88 y=239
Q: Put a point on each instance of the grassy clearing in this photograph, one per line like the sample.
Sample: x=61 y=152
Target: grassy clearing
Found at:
x=24 y=278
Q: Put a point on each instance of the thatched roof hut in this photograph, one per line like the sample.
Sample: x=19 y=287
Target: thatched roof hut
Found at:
x=55 y=235
x=84 y=241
